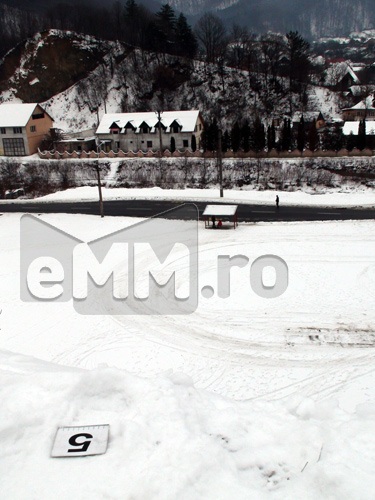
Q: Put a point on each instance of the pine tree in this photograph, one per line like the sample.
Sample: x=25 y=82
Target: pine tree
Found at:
x=132 y=22
x=259 y=137
x=361 y=143
x=166 y=24
x=332 y=139
x=301 y=135
x=193 y=143
x=286 y=135
x=235 y=137
x=351 y=141
x=186 y=43
x=313 y=137
x=225 y=143
x=173 y=145
x=245 y=136
x=298 y=59
x=271 y=137
x=210 y=136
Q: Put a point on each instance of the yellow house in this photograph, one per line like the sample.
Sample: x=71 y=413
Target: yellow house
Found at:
x=22 y=128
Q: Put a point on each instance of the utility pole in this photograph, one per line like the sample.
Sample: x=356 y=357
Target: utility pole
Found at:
x=101 y=207
x=97 y=168
x=220 y=163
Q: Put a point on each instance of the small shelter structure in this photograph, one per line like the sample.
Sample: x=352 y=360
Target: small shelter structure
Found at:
x=215 y=213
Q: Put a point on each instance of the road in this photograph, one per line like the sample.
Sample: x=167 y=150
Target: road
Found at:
x=149 y=208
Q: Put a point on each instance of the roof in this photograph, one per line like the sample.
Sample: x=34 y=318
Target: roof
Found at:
x=338 y=70
x=352 y=128
x=352 y=74
x=367 y=103
x=79 y=139
x=187 y=119
x=16 y=115
x=220 y=210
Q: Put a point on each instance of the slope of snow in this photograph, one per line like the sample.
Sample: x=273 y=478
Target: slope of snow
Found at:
x=170 y=440
x=245 y=398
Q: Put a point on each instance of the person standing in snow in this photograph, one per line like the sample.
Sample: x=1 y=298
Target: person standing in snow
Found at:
x=277 y=201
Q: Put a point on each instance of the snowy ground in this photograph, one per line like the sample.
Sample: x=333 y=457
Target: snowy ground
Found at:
x=329 y=198
x=245 y=398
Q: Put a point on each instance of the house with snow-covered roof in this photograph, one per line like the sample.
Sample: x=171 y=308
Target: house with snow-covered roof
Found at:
x=365 y=109
x=340 y=75
x=140 y=131
x=22 y=128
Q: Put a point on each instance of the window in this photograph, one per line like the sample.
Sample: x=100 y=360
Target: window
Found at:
x=79 y=147
x=14 y=147
x=17 y=130
x=114 y=130
x=38 y=116
x=3 y=130
x=33 y=128
x=186 y=143
x=200 y=126
x=149 y=144
x=117 y=143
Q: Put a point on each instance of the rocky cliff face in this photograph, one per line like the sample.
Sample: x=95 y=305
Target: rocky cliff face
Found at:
x=49 y=63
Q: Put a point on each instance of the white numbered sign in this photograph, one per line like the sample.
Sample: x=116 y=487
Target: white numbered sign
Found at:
x=80 y=441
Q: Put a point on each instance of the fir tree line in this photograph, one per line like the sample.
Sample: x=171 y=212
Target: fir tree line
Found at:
x=256 y=136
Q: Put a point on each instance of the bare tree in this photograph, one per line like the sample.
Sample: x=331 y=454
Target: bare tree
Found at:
x=211 y=33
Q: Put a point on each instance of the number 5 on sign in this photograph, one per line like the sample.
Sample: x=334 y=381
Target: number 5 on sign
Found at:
x=80 y=441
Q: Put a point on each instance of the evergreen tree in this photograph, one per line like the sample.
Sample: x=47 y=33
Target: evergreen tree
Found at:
x=271 y=137
x=173 y=145
x=165 y=29
x=313 y=137
x=259 y=137
x=337 y=138
x=361 y=143
x=210 y=136
x=235 y=137
x=286 y=135
x=298 y=59
x=332 y=139
x=132 y=22
x=193 y=143
x=225 y=142
x=351 y=141
x=245 y=136
x=186 y=43
x=301 y=135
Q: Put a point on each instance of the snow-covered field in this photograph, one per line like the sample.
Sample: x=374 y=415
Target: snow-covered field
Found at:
x=245 y=398
x=329 y=198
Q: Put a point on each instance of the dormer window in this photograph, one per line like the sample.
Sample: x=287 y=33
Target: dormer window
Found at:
x=115 y=128
x=129 y=126
x=175 y=127
x=144 y=128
